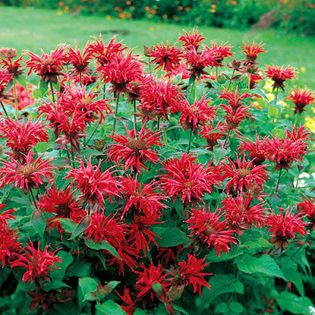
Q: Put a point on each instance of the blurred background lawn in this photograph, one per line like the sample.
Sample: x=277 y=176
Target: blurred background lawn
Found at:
x=30 y=28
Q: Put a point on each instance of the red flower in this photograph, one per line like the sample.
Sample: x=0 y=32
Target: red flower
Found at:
x=128 y=300
x=105 y=228
x=5 y=79
x=307 y=208
x=234 y=117
x=217 y=53
x=105 y=53
x=301 y=98
x=235 y=100
x=244 y=175
x=93 y=183
x=256 y=150
x=194 y=39
x=198 y=61
x=22 y=135
x=81 y=102
x=212 y=135
x=61 y=203
x=14 y=67
x=134 y=151
x=29 y=174
x=152 y=281
x=48 y=67
x=139 y=236
x=241 y=214
x=252 y=50
x=141 y=199
x=285 y=226
x=158 y=99
x=121 y=71
x=285 y=151
x=190 y=271
x=79 y=60
x=254 y=78
x=186 y=178
x=209 y=228
x=279 y=75
x=165 y=56
x=196 y=114
x=9 y=244
x=37 y=263
x=23 y=96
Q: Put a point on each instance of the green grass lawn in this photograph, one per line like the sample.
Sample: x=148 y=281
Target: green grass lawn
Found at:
x=28 y=28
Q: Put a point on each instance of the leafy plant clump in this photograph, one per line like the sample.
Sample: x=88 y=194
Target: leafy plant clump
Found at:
x=177 y=182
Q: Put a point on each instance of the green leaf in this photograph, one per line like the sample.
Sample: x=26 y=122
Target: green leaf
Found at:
x=54 y=285
x=236 y=307
x=221 y=308
x=170 y=236
x=79 y=269
x=67 y=224
x=179 y=309
x=81 y=227
x=43 y=87
x=264 y=264
x=88 y=286
x=102 y=246
x=109 y=308
x=234 y=252
x=39 y=223
x=294 y=304
x=220 y=284
x=219 y=154
x=66 y=261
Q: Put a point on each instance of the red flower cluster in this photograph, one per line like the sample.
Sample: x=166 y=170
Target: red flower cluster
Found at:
x=129 y=194
x=36 y=262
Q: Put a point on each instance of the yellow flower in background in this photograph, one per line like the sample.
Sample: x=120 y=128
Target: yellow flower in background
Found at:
x=268 y=85
x=303 y=69
x=310 y=124
x=270 y=97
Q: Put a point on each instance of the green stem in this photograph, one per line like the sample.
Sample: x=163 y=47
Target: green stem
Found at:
x=91 y=136
x=116 y=113
x=278 y=182
x=5 y=111
x=227 y=138
x=190 y=141
x=52 y=92
x=33 y=198
x=104 y=91
x=231 y=79
x=135 y=117
x=15 y=97
x=276 y=95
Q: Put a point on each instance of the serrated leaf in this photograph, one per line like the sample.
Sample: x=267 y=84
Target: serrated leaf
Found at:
x=264 y=264
x=109 y=308
x=102 y=246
